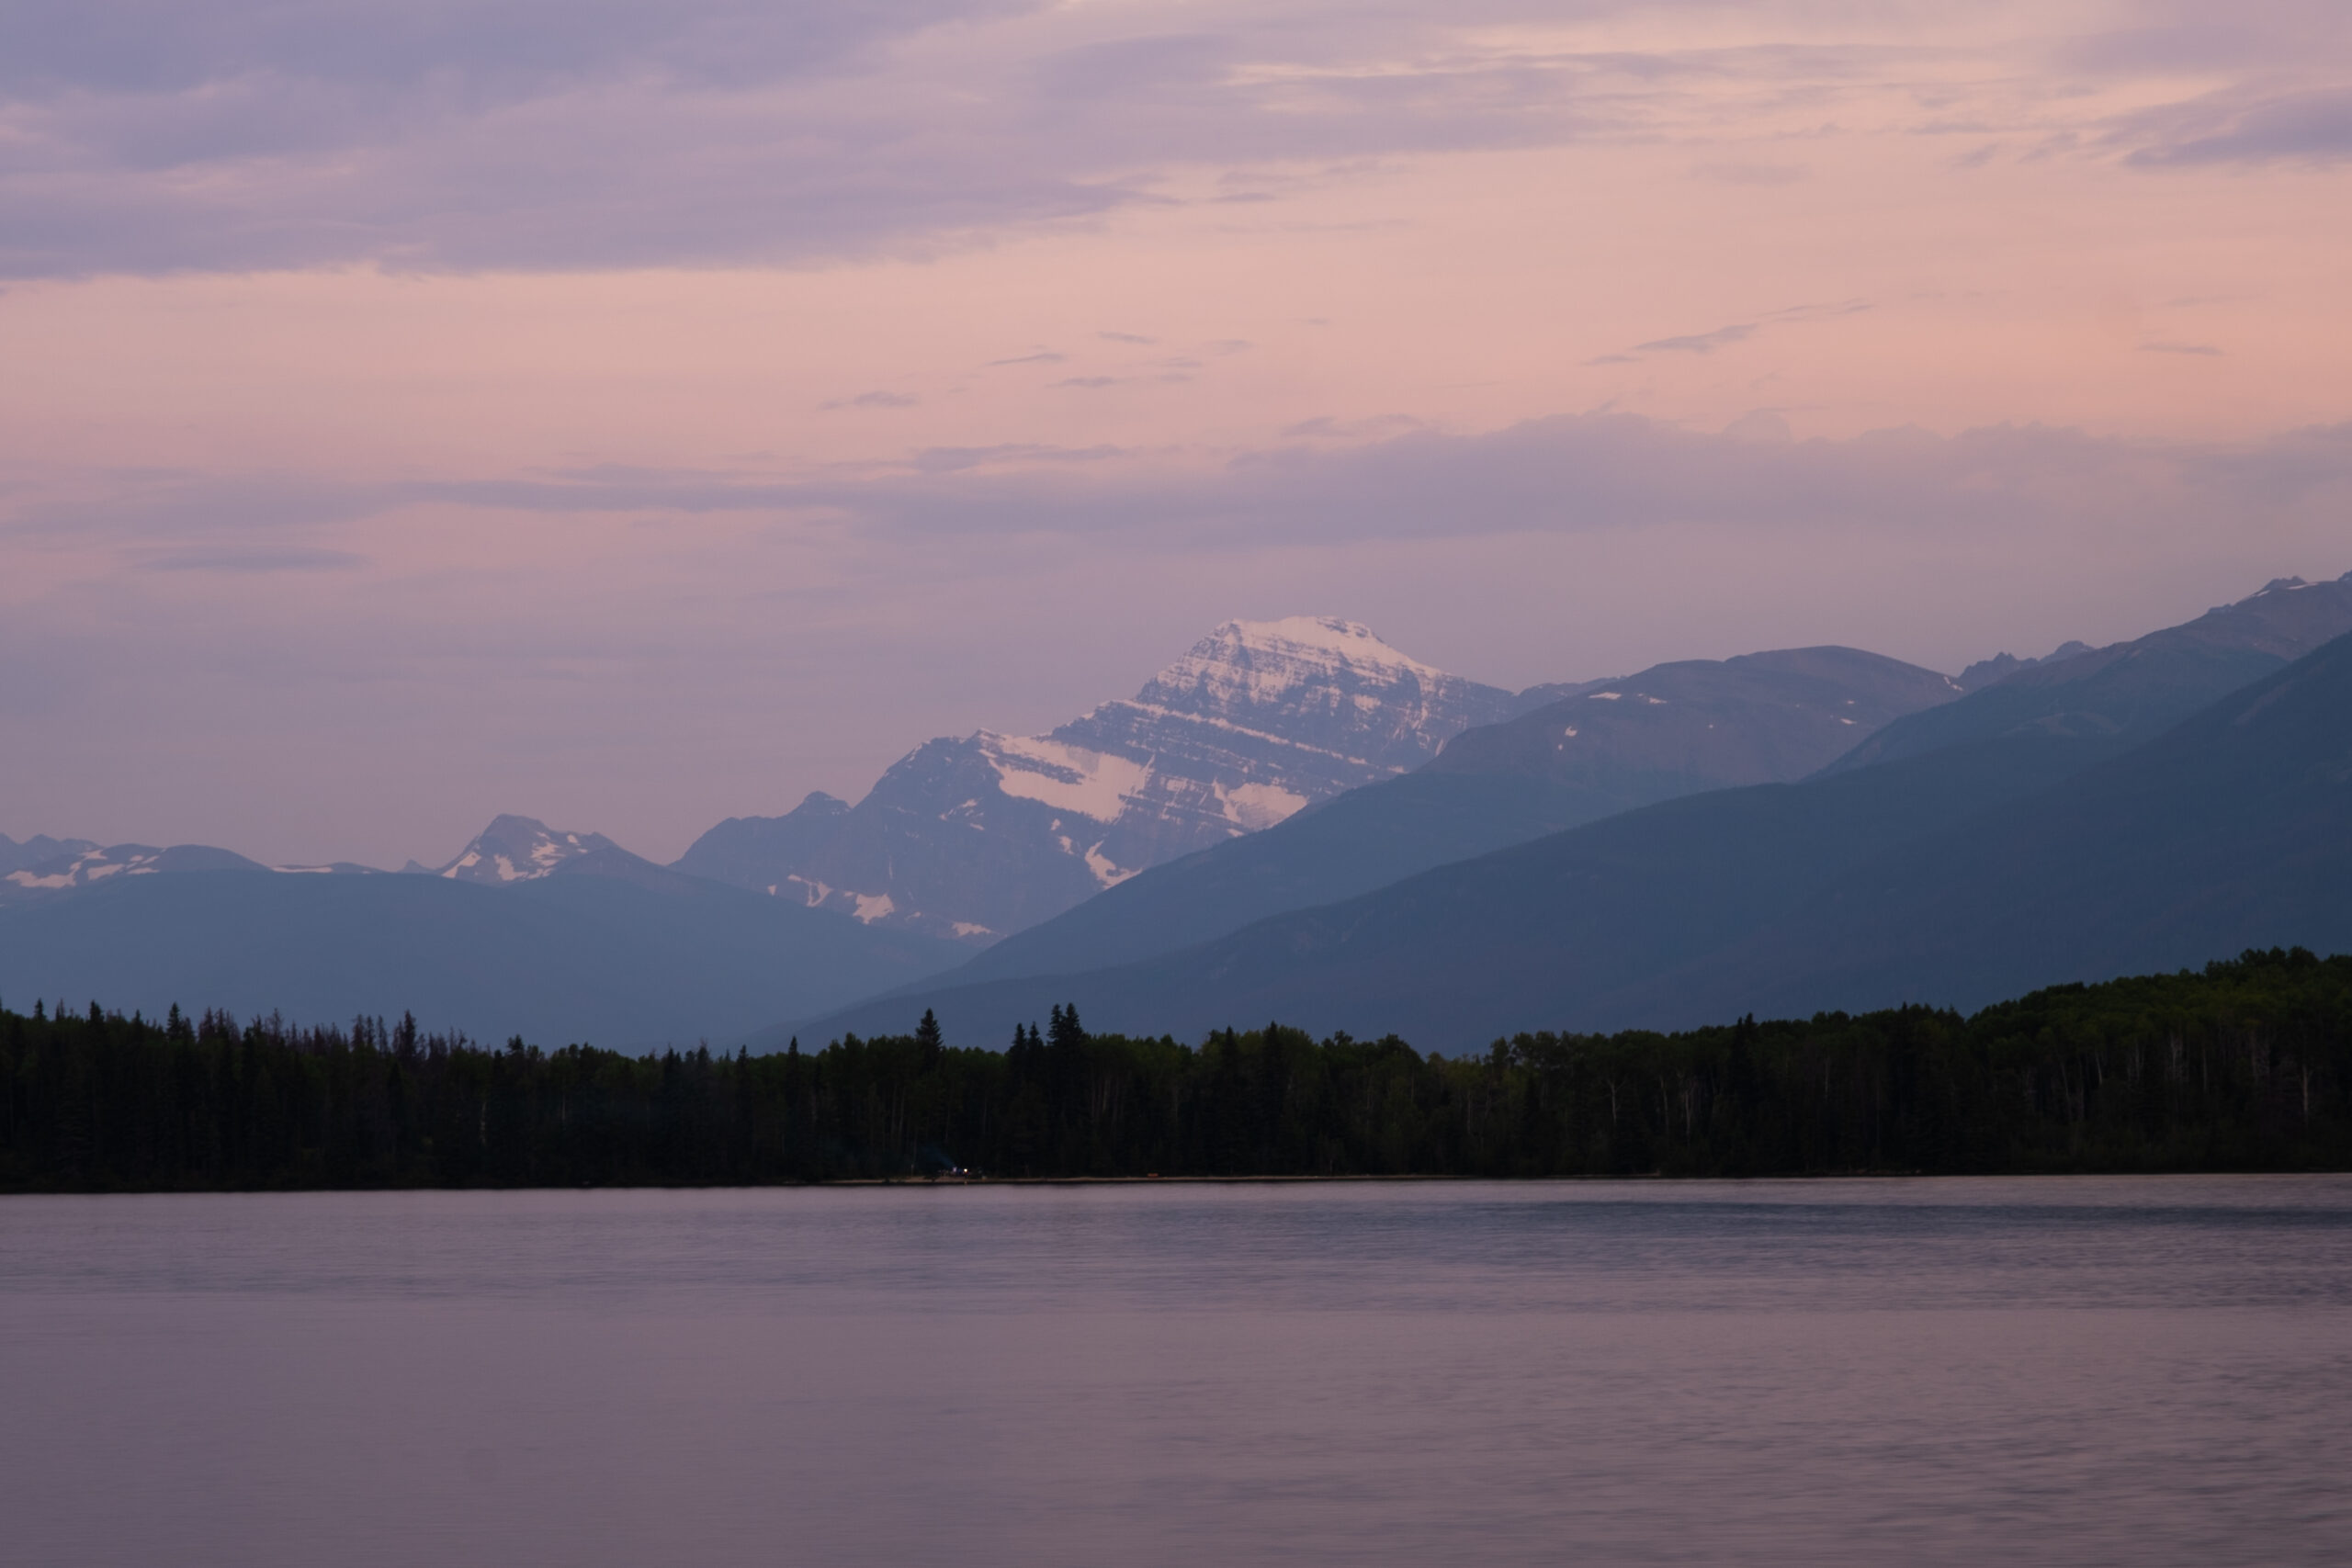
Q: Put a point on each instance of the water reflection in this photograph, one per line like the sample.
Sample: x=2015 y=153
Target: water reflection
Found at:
x=2150 y=1371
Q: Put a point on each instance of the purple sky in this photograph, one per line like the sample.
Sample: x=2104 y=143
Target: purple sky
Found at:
x=633 y=415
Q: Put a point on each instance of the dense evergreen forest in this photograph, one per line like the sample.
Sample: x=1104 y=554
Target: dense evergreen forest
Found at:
x=2245 y=1067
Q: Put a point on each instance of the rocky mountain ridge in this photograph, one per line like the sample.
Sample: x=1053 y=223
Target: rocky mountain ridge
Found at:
x=974 y=837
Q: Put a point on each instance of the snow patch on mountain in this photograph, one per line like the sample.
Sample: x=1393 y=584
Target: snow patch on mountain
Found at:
x=90 y=866
x=39 y=849
x=519 y=849
x=1068 y=778
x=1255 y=807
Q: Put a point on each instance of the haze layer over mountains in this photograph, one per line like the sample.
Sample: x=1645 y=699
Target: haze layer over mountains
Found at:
x=1295 y=820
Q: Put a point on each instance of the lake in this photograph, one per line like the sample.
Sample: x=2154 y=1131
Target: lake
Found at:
x=2055 y=1371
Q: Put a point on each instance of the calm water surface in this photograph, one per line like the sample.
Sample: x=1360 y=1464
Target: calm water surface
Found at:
x=2048 y=1371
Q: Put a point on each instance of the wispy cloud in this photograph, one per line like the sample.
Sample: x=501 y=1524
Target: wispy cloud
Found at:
x=248 y=560
x=1699 y=343
x=871 y=401
x=261 y=134
x=1386 y=478
x=2312 y=127
x=958 y=459
x=1737 y=333
x=1744 y=174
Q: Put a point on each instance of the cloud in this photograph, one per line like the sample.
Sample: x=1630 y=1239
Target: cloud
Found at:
x=2198 y=348
x=2301 y=127
x=1741 y=173
x=871 y=401
x=1740 y=331
x=1330 y=483
x=1819 y=311
x=248 y=560
x=444 y=135
x=1041 y=357
x=1699 y=343
x=955 y=459
x=440 y=135
x=1326 y=428
x=1125 y=337
x=1760 y=424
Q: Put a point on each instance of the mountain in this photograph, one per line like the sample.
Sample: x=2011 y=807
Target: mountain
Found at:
x=1612 y=924
x=760 y=853
x=2001 y=666
x=88 y=866
x=573 y=957
x=975 y=838
x=1605 y=747
x=2130 y=691
x=1703 y=724
x=2231 y=830
x=521 y=849
x=1541 y=934
x=41 y=847
x=515 y=851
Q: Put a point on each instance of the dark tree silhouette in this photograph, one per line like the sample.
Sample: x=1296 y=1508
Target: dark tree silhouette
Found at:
x=2247 y=1065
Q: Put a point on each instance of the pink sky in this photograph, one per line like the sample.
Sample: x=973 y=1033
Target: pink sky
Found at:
x=633 y=416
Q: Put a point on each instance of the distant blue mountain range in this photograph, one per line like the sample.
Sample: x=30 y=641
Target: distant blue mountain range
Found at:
x=1804 y=829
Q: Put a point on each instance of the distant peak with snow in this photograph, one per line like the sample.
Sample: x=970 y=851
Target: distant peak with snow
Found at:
x=1252 y=664
x=970 y=837
x=519 y=849
x=1350 y=642
x=88 y=866
x=39 y=849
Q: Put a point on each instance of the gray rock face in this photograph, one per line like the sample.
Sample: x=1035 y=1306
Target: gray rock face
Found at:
x=977 y=837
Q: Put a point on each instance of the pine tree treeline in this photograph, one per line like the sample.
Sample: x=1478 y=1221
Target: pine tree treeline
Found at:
x=2245 y=1067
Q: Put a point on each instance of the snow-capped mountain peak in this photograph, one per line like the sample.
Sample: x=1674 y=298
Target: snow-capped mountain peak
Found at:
x=970 y=837
x=1267 y=667
x=519 y=849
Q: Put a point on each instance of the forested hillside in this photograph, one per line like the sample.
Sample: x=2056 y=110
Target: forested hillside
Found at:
x=2247 y=1065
